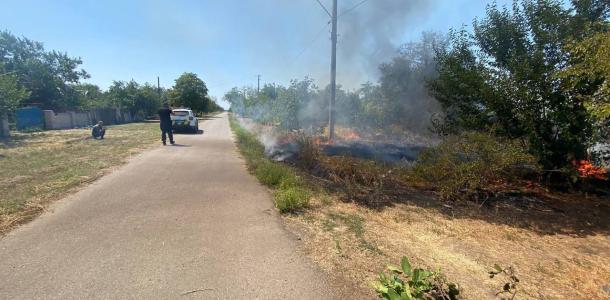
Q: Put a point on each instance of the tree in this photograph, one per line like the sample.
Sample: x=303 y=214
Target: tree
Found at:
x=503 y=77
x=142 y=100
x=11 y=94
x=588 y=75
x=47 y=75
x=190 y=91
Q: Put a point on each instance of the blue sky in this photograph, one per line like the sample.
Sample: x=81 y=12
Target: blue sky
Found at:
x=227 y=43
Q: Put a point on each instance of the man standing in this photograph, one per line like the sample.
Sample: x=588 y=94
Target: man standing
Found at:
x=98 y=131
x=166 y=123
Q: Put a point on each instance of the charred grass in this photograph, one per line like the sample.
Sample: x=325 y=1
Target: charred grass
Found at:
x=40 y=167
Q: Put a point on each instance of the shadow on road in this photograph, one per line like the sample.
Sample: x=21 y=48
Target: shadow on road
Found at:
x=199 y=132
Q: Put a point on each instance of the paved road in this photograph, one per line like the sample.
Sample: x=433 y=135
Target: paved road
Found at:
x=175 y=220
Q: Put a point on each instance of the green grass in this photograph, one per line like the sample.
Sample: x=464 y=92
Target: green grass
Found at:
x=291 y=194
x=38 y=167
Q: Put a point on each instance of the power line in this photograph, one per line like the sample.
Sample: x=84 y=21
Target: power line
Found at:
x=308 y=45
x=352 y=8
x=324 y=8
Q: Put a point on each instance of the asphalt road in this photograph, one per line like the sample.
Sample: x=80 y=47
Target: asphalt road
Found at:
x=177 y=222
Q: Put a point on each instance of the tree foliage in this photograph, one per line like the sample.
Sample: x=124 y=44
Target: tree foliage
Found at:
x=11 y=94
x=190 y=91
x=503 y=77
x=587 y=77
x=31 y=75
x=48 y=75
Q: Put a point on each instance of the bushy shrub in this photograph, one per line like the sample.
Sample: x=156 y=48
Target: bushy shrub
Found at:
x=291 y=198
x=469 y=162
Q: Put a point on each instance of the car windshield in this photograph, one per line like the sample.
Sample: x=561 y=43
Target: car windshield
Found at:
x=181 y=113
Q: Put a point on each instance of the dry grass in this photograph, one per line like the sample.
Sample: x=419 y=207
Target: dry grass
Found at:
x=40 y=167
x=550 y=266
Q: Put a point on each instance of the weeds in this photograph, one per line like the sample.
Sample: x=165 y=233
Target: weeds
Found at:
x=406 y=283
x=273 y=174
x=291 y=199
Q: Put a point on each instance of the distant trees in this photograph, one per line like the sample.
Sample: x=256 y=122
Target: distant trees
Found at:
x=31 y=75
x=143 y=100
x=190 y=91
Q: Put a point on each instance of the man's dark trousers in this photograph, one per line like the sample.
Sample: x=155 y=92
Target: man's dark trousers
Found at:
x=167 y=130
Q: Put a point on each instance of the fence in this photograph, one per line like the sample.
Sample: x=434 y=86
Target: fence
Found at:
x=36 y=118
x=30 y=117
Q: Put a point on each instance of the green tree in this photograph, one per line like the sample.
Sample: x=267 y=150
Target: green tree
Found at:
x=588 y=75
x=142 y=100
x=11 y=94
x=48 y=75
x=503 y=77
x=190 y=91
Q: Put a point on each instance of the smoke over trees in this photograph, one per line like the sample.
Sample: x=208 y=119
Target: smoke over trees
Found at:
x=399 y=100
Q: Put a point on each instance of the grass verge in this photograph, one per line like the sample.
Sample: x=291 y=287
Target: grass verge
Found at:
x=290 y=194
x=39 y=167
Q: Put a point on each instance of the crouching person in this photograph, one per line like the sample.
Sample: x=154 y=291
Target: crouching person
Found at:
x=98 y=131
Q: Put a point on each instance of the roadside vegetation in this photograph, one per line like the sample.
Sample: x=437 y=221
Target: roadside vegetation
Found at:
x=509 y=113
x=40 y=167
x=290 y=194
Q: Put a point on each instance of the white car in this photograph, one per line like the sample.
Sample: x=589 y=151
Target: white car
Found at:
x=184 y=119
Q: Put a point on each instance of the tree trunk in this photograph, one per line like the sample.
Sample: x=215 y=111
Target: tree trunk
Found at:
x=4 y=130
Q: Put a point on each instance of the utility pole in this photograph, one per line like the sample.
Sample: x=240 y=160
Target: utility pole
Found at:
x=159 y=88
x=258 y=87
x=333 y=77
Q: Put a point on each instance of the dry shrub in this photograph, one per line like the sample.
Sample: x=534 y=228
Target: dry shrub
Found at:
x=309 y=152
x=471 y=162
x=365 y=182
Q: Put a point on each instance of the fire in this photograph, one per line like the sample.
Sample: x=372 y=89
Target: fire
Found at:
x=586 y=169
x=348 y=134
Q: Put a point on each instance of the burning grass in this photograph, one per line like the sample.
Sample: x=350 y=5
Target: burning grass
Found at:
x=374 y=213
x=40 y=167
x=291 y=193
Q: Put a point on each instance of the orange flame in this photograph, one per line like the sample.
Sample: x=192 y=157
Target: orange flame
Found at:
x=348 y=134
x=587 y=170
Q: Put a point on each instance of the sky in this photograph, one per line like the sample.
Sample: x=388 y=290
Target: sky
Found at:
x=228 y=43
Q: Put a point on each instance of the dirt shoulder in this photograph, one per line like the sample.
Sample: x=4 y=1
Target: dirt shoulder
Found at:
x=550 y=263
